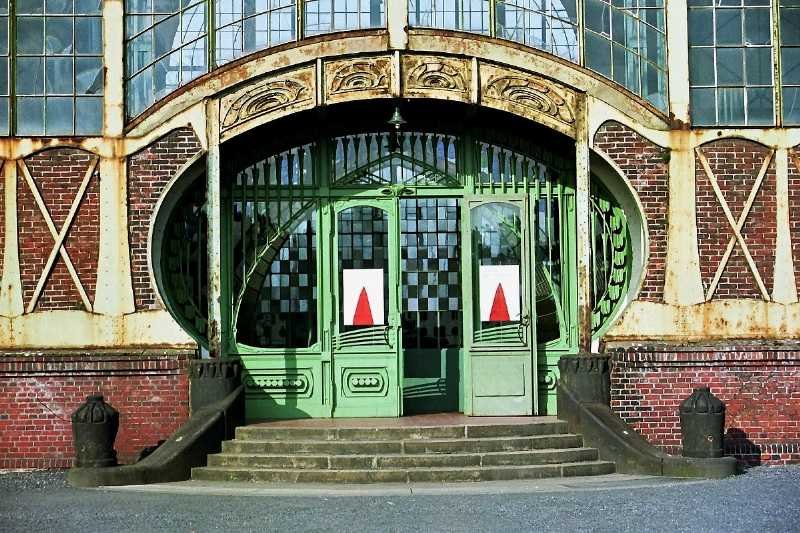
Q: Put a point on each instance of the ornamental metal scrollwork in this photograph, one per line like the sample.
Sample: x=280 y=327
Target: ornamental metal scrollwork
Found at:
x=266 y=98
x=360 y=76
x=531 y=93
x=365 y=382
x=437 y=75
x=279 y=384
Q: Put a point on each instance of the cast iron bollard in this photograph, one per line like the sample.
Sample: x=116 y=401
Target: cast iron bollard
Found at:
x=702 y=424
x=94 y=428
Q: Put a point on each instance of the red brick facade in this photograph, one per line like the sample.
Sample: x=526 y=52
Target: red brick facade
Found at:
x=149 y=171
x=735 y=164
x=58 y=174
x=39 y=392
x=645 y=165
x=760 y=387
x=794 y=210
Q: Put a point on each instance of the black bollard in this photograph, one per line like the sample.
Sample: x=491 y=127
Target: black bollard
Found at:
x=94 y=428
x=702 y=424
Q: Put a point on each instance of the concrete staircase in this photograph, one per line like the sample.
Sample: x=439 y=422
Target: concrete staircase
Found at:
x=539 y=448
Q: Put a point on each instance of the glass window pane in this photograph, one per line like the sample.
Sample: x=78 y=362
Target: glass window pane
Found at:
x=89 y=75
x=3 y=75
x=703 y=107
x=760 y=111
x=88 y=7
x=58 y=35
x=790 y=26
x=759 y=66
x=701 y=66
x=730 y=105
x=757 y=26
x=4 y=125
x=791 y=106
x=30 y=35
x=58 y=75
x=30 y=7
x=598 y=54
x=790 y=66
x=88 y=116
x=730 y=66
x=61 y=7
x=58 y=117
x=3 y=35
x=89 y=35
x=165 y=36
x=701 y=27
x=598 y=17
x=30 y=76
x=729 y=26
x=30 y=116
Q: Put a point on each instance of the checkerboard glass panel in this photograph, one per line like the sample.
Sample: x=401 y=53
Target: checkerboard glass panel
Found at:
x=363 y=242
x=430 y=266
x=282 y=313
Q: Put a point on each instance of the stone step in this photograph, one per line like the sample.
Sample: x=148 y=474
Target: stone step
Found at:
x=493 y=473
x=340 y=462
x=413 y=446
x=266 y=432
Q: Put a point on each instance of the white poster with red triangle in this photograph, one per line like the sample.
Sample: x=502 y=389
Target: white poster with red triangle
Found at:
x=362 y=296
x=500 y=293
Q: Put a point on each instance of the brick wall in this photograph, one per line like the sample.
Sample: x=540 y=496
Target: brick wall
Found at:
x=794 y=209
x=759 y=385
x=58 y=174
x=39 y=392
x=149 y=171
x=645 y=165
x=735 y=164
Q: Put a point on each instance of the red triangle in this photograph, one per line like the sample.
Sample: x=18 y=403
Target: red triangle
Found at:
x=363 y=314
x=499 y=312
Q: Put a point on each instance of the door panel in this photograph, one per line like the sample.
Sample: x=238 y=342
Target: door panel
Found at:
x=365 y=361
x=431 y=304
x=501 y=336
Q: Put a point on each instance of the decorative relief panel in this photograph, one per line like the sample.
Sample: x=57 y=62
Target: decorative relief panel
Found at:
x=436 y=77
x=280 y=384
x=530 y=96
x=267 y=99
x=357 y=79
x=364 y=382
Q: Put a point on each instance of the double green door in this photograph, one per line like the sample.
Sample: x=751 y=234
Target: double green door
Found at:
x=430 y=307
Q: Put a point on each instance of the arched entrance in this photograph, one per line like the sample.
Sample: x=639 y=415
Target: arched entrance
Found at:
x=369 y=271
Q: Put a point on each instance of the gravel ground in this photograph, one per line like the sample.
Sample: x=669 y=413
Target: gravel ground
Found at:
x=762 y=500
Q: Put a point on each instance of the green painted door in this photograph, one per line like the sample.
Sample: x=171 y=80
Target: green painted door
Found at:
x=365 y=342
x=431 y=303
x=501 y=329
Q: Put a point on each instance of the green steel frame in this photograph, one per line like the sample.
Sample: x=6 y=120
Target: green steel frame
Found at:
x=502 y=369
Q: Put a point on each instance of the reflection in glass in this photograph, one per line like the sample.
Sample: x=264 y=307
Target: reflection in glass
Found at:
x=496 y=241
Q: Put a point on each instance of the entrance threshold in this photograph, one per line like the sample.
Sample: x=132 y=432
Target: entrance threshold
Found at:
x=426 y=420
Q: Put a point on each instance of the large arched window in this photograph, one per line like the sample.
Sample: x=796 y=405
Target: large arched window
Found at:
x=166 y=46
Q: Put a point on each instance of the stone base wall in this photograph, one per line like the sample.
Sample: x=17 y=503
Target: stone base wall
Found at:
x=760 y=387
x=39 y=391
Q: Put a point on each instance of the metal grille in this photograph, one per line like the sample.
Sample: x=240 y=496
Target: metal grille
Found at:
x=409 y=158
x=430 y=265
x=273 y=249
